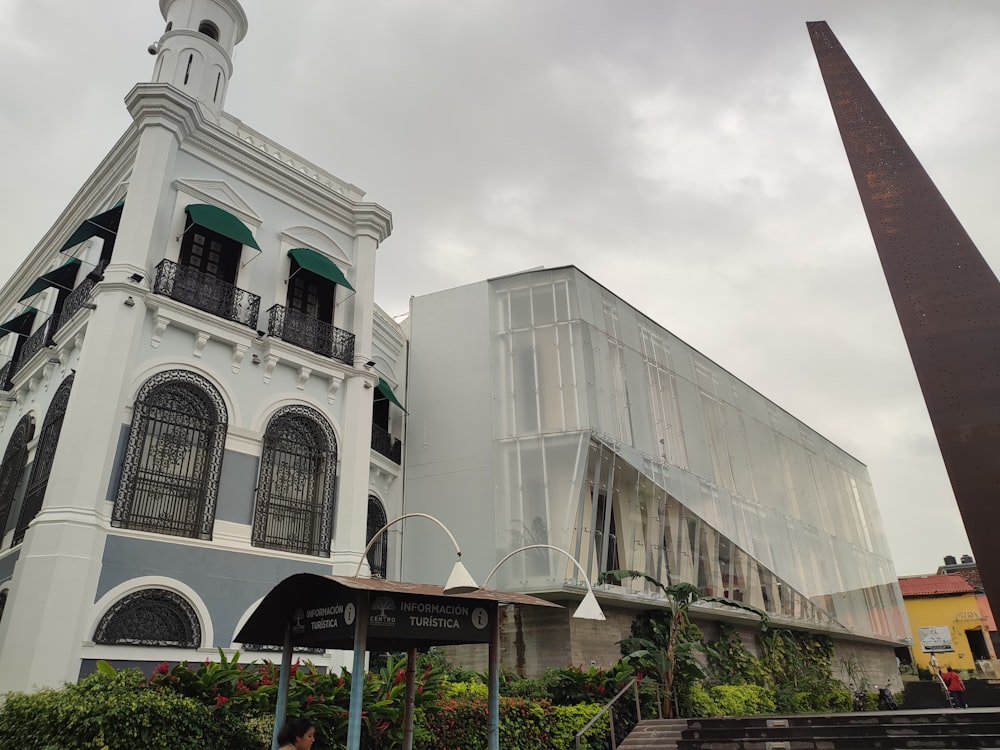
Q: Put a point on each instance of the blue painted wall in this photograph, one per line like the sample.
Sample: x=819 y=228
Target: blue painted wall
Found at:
x=228 y=582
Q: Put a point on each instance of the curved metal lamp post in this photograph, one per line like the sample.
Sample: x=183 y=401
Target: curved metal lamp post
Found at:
x=459 y=582
x=589 y=609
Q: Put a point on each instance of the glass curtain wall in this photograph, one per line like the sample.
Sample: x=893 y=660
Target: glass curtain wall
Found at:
x=616 y=441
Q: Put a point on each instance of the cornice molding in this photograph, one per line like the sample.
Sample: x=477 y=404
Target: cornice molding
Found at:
x=371 y=220
x=167 y=106
x=365 y=218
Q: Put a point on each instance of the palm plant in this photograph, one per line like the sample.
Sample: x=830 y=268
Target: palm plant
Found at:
x=664 y=641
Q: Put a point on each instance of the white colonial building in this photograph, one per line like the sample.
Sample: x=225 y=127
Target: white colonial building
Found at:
x=198 y=395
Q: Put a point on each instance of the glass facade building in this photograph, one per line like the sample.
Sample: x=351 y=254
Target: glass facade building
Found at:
x=581 y=423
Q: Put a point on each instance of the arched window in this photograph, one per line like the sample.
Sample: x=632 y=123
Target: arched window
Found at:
x=209 y=29
x=151 y=617
x=295 y=490
x=378 y=555
x=45 y=453
x=15 y=458
x=170 y=475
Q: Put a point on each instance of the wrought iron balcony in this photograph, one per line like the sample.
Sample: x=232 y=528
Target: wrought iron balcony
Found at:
x=310 y=333
x=6 y=372
x=206 y=292
x=35 y=343
x=387 y=445
x=75 y=301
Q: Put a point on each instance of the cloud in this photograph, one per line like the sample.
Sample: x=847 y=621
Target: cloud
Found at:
x=683 y=154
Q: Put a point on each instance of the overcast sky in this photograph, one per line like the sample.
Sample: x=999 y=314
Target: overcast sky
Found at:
x=683 y=154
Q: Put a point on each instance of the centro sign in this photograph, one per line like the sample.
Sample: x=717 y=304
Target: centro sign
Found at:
x=399 y=616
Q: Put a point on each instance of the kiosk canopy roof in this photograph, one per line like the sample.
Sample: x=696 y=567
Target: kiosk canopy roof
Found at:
x=321 y=610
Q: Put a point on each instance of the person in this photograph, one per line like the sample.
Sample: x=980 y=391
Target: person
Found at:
x=956 y=688
x=934 y=666
x=297 y=734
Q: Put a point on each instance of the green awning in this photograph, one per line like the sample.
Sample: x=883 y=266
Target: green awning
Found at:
x=19 y=324
x=104 y=225
x=386 y=391
x=62 y=278
x=221 y=222
x=319 y=265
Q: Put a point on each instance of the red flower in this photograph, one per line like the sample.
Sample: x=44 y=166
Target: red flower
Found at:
x=309 y=700
x=162 y=668
x=221 y=700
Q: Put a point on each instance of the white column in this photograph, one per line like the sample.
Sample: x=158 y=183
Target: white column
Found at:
x=50 y=608
x=355 y=449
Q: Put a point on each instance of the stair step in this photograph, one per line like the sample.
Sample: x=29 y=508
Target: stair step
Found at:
x=929 y=729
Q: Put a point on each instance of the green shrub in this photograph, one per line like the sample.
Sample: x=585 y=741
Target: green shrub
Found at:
x=700 y=703
x=466 y=690
x=515 y=686
x=730 y=700
x=565 y=721
x=111 y=711
x=743 y=700
x=463 y=722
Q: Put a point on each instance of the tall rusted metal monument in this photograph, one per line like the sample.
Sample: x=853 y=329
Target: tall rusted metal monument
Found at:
x=946 y=296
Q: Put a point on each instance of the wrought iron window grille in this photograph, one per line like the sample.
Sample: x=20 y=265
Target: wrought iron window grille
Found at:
x=294 y=510
x=151 y=617
x=15 y=458
x=45 y=454
x=173 y=460
x=378 y=555
x=296 y=649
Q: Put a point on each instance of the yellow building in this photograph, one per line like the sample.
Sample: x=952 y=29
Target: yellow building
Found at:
x=945 y=620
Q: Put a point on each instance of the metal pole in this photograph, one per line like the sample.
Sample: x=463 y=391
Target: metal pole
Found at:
x=358 y=674
x=411 y=663
x=284 y=676
x=494 y=677
x=638 y=706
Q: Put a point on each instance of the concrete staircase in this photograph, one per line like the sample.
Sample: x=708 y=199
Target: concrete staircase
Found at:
x=656 y=734
x=924 y=694
x=876 y=730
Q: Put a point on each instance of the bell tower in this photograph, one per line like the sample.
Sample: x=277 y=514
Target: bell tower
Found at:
x=195 y=52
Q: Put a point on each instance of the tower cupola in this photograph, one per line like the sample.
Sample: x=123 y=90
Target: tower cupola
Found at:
x=195 y=52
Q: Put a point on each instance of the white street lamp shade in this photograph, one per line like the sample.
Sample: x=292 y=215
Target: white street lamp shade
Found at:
x=460 y=582
x=589 y=609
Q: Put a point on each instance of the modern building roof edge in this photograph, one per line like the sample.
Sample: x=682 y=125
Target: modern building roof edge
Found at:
x=700 y=353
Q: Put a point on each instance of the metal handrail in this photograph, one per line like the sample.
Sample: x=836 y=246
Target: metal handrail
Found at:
x=634 y=684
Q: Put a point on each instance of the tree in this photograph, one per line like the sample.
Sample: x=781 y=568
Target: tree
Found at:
x=663 y=641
